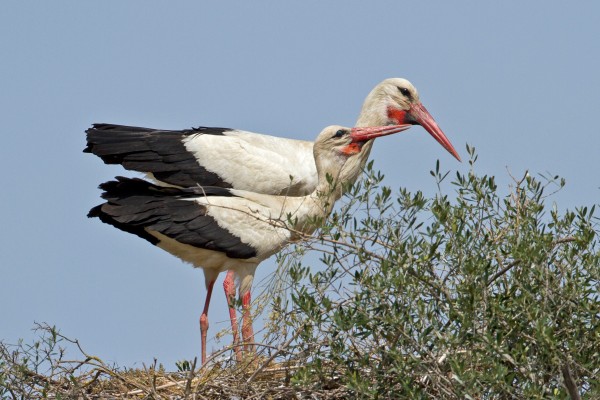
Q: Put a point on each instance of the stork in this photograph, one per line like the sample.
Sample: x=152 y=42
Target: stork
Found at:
x=218 y=229
x=244 y=160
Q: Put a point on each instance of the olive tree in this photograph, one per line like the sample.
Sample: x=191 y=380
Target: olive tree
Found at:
x=467 y=294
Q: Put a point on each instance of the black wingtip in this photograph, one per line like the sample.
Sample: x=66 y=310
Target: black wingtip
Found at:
x=138 y=207
x=160 y=152
x=95 y=212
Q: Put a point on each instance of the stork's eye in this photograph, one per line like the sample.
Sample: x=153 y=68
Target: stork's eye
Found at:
x=340 y=133
x=404 y=91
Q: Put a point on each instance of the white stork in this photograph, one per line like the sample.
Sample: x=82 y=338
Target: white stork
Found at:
x=243 y=160
x=218 y=229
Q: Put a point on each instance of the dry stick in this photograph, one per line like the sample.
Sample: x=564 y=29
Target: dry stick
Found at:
x=152 y=378
x=166 y=385
x=188 y=385
x=168 y=377
x=94 y=361
x=229 y=348
x=98 y=369
x=282 y=369
x=99 y=364
x=188 y=381
x=118 y=376
x=275 y=354
x=93 y=380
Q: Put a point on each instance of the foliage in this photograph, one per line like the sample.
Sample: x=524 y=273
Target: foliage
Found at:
x=476 y=296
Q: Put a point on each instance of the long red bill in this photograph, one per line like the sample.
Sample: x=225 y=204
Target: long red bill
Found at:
x=372 y=132
x=421 y=116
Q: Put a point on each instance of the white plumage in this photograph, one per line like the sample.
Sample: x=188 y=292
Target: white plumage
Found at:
x=245 y=159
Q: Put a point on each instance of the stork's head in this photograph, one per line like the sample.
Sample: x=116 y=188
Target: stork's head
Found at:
x=339 y=151
x=395 y=101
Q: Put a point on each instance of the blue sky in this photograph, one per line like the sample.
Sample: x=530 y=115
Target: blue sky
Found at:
x=517 y=80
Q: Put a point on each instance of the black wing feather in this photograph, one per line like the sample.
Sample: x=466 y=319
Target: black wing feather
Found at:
x=136 y=206
x=160 y=152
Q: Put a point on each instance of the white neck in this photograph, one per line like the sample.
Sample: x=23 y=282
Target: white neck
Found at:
x=319 y=204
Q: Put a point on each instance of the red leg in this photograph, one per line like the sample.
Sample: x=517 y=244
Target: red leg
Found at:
x=247 y=330
x=229 y=286
x=204 y=320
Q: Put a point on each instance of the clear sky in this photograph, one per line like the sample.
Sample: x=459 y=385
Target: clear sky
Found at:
x=518 y=80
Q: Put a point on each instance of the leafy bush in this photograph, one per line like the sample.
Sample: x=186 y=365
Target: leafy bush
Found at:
x=474 y=295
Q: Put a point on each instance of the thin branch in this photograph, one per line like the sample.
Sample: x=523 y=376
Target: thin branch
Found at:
x=503 y=271
x=570 y=382
x=517 y=261
x=275 y=354
x=188 y=385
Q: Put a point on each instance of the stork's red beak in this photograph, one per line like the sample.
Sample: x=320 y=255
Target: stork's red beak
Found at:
x=418 y=114
x=372 y=132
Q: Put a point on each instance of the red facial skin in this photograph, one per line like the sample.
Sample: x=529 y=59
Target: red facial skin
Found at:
x=418 y=115
x=352 y=148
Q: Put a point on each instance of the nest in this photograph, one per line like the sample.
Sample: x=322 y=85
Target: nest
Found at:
x=42 y=370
